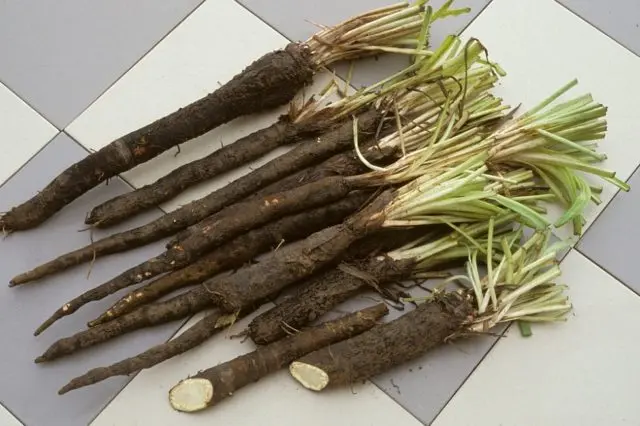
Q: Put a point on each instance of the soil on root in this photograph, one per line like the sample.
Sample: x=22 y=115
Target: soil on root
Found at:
x=385 y=346
x=297 y=261
x=176 y=308
x=215 y=384
x=228 y=224
x=194 y=336
x=302 y=156
x=269 y=82
x=238 y=252
x=229 y=157
x=242 y=217
x=324 y=293
x=341 y=164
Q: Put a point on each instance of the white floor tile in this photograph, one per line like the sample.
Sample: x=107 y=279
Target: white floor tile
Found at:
x=583 y=372
x=7 y=419
x=216 y=42
x=542 y=46
x=24 y=132
x=275 y=400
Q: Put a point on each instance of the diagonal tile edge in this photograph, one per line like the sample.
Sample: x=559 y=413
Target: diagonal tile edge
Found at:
x=462 y=411
x=609 y=243
x=140 y=58
x=178 y=330
x=577 y=14
x=27 y=130
x=7 y=418
x=26 y=102
x=2 y=183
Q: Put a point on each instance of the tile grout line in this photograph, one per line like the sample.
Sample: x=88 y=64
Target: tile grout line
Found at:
x=262 y=20
x=133 y=377
x=611 y=274
x=38 y=151
x=27 y=103
x=596 y=27
x=6 y=408
x=144 y=55
x=606 y=206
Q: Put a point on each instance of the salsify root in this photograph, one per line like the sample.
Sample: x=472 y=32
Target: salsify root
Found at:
x=189 y=339
x=323 y=293
x=237 y=252
x=296 y=261
x=375 y=271
x=152 y=314
x=344 y=164
x=269 y=82
x=231 y=222
x=300 y=157
x=215 y=384
x=251 y=147
x=384 y=346
x=189 y=303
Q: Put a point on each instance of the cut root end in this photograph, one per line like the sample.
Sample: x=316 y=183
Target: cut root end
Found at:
x=309 y=376
x=191 y=395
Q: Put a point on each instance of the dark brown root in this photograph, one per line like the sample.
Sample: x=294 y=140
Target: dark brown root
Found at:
x=324 y=293
x=215 y=384
x=343 y=164
x=238 y=252
x=300 y=157
x=384 y=346
x=269 y=82
x=135 y=275
x=296 y=261
x=189 y=339
x=227 y=224
x=229 y=157
x=176 y=308
x=242 y=217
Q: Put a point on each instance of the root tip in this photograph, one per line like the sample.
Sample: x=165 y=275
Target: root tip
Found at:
x=40 y=359
x=44 y=326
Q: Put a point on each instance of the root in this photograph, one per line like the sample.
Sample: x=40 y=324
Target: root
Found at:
x=215 y=384
x=384 y=346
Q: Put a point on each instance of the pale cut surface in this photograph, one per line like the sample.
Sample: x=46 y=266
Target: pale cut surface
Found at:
x=191 y=395
x=309 y=376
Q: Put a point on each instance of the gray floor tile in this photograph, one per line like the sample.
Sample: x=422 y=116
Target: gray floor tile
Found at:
x=619 y=19
x=60 y=56
x=293 y=19
x=611 y=241
x=28 y=390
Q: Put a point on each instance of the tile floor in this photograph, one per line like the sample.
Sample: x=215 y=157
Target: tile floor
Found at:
x=90 y=74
